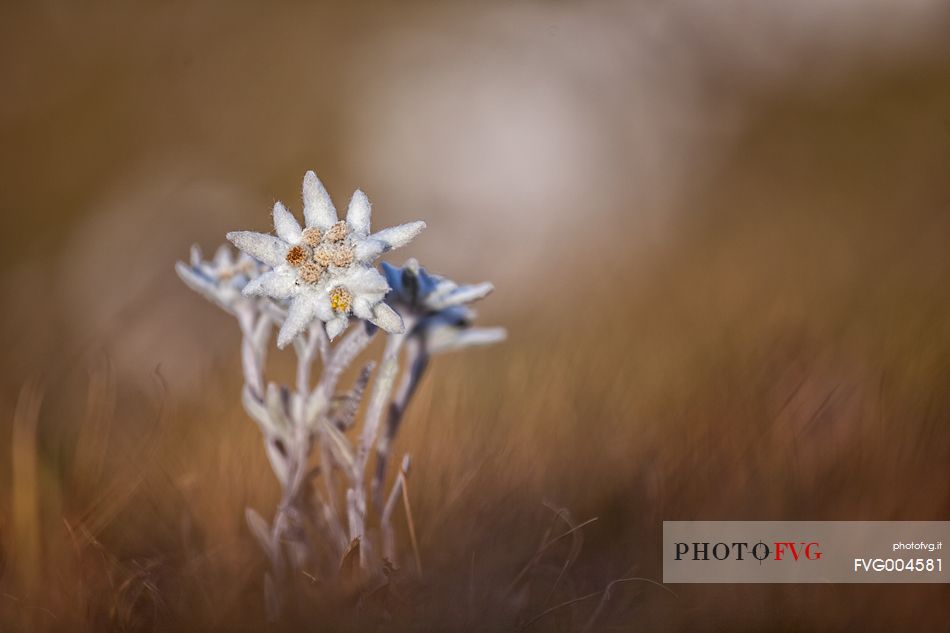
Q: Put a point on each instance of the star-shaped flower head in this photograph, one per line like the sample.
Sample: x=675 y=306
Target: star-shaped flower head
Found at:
x=324 y=270
x=438 y=308
x=221 y=279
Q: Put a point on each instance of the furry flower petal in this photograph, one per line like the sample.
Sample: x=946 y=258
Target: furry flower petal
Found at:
x=302 y=311
x=387 y=319
x=285 y=224
x=364 y=281
x=387 y=239
x=460 y=295
x=358 y=214
x=264 y=248
x=278 y=284
x=336 y=326
x=318 y=209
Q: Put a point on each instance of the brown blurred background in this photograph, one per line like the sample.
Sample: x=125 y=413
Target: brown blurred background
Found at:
x=718 y=232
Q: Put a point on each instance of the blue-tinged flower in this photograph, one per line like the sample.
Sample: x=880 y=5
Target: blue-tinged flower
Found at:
x=324 y=270
x=437 y=308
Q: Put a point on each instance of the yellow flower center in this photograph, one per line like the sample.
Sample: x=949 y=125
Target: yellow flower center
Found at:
x=340 y=299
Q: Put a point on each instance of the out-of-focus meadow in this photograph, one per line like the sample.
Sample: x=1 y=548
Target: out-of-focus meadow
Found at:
x=720 y=236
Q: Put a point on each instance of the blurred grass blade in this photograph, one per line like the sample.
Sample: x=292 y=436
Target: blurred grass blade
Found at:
x=25 y=493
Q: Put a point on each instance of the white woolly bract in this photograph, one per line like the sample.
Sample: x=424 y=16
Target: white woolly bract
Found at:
x=306 y=286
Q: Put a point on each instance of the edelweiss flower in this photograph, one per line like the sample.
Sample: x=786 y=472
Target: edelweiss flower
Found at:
x=438 y=308
x=325 y=269
x=222 y=279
